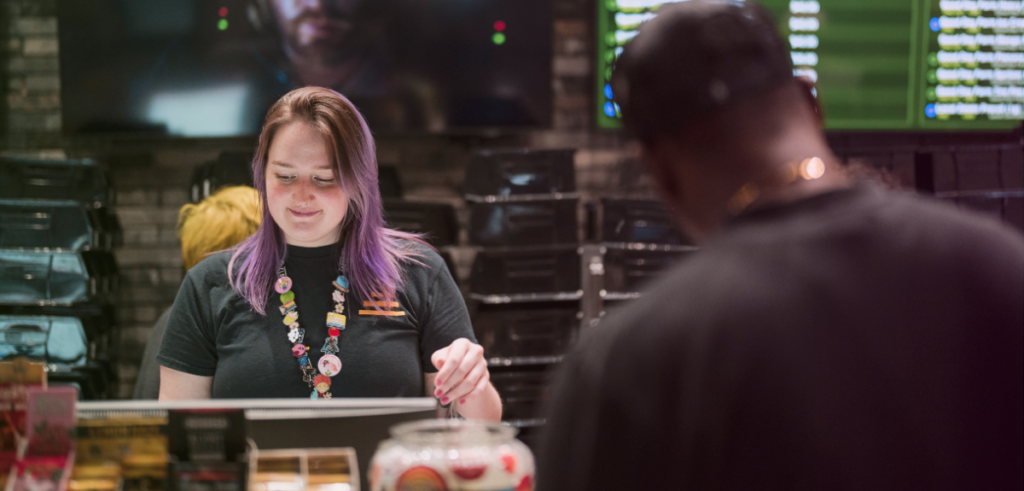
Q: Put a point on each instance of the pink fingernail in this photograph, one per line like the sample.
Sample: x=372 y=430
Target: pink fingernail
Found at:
x=438 y=393
x=445 y=400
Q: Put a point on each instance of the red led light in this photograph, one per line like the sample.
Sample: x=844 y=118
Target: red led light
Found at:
x=223 y=11
x=499 y=26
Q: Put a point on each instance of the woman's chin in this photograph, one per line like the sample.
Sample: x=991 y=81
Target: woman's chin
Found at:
x=309 y=239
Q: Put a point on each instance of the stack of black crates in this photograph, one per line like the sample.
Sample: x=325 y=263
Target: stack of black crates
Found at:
x=58 y=275
x=438 y=222
x=638 y=242
x=525 y=281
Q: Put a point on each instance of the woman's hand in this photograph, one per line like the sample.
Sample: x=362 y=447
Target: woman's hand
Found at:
x=462 y=372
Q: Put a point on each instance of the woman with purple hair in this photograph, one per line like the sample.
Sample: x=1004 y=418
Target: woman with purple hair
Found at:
x=323 y=300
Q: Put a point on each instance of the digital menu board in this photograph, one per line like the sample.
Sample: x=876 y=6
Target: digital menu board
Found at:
x=877 y=64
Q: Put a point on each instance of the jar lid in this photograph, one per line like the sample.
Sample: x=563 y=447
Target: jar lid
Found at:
x=453 y=432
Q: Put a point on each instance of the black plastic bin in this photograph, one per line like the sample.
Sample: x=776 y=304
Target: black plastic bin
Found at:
x=628 y=270
x=532 y=271
x=437 y=220
x=524 y=223
x=520 y=171
x=628 y=220
x=78 y=180
x=525 y=330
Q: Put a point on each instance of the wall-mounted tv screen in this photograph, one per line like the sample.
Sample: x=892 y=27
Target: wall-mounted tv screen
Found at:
x=877 y=64
x=214 y=67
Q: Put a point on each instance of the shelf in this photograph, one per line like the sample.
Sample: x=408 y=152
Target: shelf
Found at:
x=525 y=423
x=980 y=194
x=491 y=198
x=643 y=246
x=524 y=360
x=620 y=295
x=528 y=297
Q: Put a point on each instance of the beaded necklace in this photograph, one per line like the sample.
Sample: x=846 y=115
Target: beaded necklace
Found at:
x=329 y=364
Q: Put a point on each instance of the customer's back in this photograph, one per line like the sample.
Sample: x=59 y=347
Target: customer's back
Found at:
x=852 y=340
x=828 y=334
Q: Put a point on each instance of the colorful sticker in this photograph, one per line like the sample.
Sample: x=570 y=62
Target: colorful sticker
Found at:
x=283 y=285
x=322 y=383
x=287 y=297
x=298 y=350
x=338 y=296
x=291 y=317
x=509 y=461
x=296 y=336
x=421 y=478
x=335 y=320
x=526 y=484
x=329 y=365
x=330 y=345
x=468 y=472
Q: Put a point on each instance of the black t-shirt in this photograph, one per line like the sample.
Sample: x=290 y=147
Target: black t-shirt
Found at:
x=853 y=340
x=212 y=331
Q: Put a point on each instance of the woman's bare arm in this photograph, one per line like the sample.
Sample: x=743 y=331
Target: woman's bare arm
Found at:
x=175 y=385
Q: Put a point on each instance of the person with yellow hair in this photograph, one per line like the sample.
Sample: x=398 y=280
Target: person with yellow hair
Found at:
x=217 y=223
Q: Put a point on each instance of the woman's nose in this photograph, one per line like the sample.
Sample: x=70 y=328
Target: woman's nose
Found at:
x=304 y=192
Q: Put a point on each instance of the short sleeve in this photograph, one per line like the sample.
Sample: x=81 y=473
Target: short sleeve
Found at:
x=446 y=317
x=189 y=343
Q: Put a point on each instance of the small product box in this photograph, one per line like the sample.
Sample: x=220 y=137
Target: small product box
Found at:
x=49 y=453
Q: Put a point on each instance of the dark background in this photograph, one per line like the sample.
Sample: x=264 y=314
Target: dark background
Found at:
x=119 y=56
x=152 y=173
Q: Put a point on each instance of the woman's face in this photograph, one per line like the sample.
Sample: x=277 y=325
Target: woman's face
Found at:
x=303 y=194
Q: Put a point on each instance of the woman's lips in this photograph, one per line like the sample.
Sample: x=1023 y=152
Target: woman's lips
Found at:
x=303 y=214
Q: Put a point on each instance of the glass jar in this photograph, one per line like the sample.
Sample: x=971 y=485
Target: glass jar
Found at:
x=452 y=455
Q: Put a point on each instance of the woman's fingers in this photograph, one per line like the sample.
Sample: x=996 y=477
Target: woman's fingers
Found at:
x=438 y=358
x=455 y=353
x=480 y=387
x=462 y=373
x=468 y=384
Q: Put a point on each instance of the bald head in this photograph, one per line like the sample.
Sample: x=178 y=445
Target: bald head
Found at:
x=696 y=58
x=744 y=133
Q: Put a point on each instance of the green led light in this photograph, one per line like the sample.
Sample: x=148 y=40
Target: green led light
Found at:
x=498 y=38
x=222 y=24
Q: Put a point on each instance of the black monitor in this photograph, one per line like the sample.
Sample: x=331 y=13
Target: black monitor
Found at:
x=213 y=68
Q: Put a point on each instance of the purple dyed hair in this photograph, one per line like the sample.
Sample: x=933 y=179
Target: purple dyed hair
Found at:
x=371 y=254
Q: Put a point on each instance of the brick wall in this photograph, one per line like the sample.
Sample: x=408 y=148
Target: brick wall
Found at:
x=30 y=75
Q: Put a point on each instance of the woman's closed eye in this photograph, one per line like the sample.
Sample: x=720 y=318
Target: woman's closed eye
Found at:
x=320 y=181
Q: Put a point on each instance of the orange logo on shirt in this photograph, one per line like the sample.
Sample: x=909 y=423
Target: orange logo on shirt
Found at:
x=395 y=311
